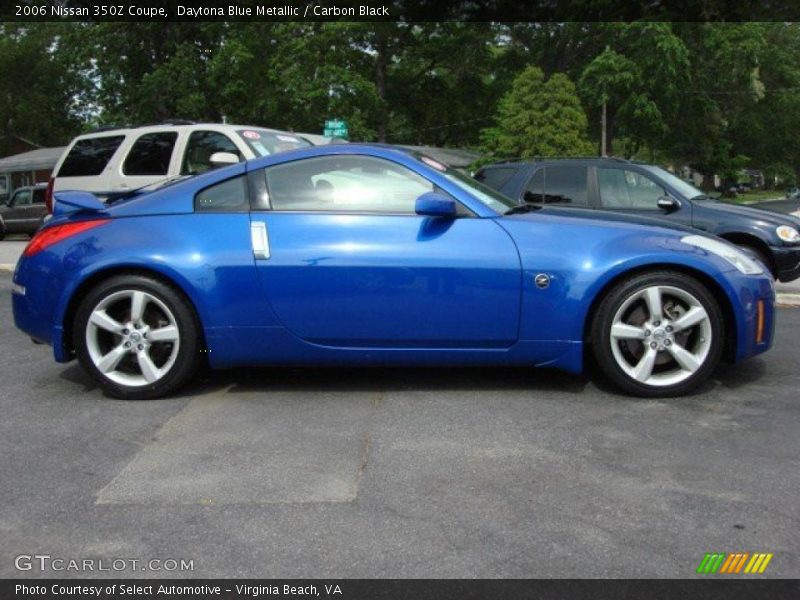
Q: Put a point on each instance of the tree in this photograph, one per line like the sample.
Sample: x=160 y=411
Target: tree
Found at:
x=539 y=118
x=39 y=86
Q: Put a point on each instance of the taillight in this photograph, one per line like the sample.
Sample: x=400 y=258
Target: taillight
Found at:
x=48 y=195
x=52 y=235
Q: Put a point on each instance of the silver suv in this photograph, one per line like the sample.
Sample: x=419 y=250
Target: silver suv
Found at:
x=115 y=161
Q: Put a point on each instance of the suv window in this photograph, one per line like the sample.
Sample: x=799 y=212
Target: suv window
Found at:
x=89 y=156
x=200 y=147
x=626 y=189
x=345 y=183
x=495 y=177
x=229 y=195
x=557 y=184
x=150 y=154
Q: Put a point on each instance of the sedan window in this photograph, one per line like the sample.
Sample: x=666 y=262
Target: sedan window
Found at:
x=345 y=183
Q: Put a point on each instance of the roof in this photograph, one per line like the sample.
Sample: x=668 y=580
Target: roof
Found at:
x=454 y=157
x=35 y=160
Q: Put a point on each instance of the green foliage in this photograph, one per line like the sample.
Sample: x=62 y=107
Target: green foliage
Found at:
x=539 y=117
x=715 y=96
x=39 y=86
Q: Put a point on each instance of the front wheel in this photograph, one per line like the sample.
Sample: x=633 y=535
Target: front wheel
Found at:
x=137 y=337
x=658 y=334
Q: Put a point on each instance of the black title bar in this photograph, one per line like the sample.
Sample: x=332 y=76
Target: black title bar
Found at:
x=399 y=589
x=400 y=10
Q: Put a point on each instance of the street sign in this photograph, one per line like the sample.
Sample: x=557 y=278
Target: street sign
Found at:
x=336 y=128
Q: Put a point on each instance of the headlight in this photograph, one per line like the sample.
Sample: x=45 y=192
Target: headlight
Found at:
x=788 y=234
x=733 y=255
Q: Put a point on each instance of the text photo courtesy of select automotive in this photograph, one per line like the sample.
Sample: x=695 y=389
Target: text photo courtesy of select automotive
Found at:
x=437 y=300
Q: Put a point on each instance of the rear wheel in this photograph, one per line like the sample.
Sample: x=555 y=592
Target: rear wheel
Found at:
x=658 y=334
x=137 y=337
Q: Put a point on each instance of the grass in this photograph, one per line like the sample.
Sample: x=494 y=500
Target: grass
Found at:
x=758 y=196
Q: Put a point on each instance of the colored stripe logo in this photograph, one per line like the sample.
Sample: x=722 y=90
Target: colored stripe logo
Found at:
x=734 y=563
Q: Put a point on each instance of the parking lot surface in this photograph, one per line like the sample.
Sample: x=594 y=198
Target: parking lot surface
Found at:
x=356 y=473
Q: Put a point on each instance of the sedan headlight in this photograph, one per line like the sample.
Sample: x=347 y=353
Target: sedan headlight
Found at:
x=733 y=255
x=788 y=234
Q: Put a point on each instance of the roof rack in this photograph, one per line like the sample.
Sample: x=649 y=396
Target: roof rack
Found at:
x=101 y=128
x=177 y=122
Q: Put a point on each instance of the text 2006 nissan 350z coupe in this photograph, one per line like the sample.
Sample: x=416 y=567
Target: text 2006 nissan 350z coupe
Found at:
x=372 y=255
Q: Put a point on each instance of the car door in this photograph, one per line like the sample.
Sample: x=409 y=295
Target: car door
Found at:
x=345 y=261
x=633 y=192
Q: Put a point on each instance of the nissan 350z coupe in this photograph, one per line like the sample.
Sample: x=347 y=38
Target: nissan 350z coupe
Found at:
x=371 y=255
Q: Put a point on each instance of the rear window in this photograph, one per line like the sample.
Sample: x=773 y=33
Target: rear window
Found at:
x=89 y=156
x=264 y=143
x=150 y=154
x=495 y=177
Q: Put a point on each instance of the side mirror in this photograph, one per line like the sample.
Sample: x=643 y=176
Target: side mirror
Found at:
x=434 y=204
x=668 y=204
x=221 y=159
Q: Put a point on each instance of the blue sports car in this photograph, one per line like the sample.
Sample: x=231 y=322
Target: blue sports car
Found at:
x=373 y=255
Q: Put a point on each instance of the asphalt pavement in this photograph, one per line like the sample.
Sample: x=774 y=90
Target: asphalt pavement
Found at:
x=348 y=473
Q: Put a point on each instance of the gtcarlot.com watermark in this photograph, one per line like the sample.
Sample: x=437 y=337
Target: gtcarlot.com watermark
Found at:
x=57 y=564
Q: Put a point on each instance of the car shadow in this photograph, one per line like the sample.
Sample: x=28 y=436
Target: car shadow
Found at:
x=394 y=379
x=360 y=379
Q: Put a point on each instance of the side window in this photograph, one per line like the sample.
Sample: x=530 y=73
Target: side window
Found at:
x=495 y=177
x=150 y=154
x=227 y=196
x=345 y=183
x=534 y=191
x=89 y=156
x=38 y=196
x=200 y=147
x=625 y=189
x=22 y=198
x=566 y=185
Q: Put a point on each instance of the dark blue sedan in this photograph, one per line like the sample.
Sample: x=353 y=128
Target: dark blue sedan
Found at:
x=371 y=255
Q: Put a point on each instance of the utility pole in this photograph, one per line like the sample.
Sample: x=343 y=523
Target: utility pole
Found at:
x=603 y=134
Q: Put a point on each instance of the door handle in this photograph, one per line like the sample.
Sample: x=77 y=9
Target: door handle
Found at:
x=258 y=234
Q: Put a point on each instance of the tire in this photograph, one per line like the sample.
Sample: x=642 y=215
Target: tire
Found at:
x=146 y=368
x=651 y=355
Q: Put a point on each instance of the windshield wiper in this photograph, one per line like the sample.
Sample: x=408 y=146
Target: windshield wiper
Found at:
x=522 y=208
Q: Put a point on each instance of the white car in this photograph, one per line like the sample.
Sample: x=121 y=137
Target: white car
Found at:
x=115 y=161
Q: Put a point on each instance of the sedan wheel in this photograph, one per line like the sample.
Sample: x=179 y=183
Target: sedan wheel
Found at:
x=658 y=335
x=137 y=337
x=136 y=346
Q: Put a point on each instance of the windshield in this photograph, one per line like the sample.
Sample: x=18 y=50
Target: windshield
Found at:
x=685 y=189
x=494 y=200
x=264 y=143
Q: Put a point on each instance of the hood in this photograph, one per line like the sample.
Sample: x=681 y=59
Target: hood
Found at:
x=613 y=217
x=752 y=212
